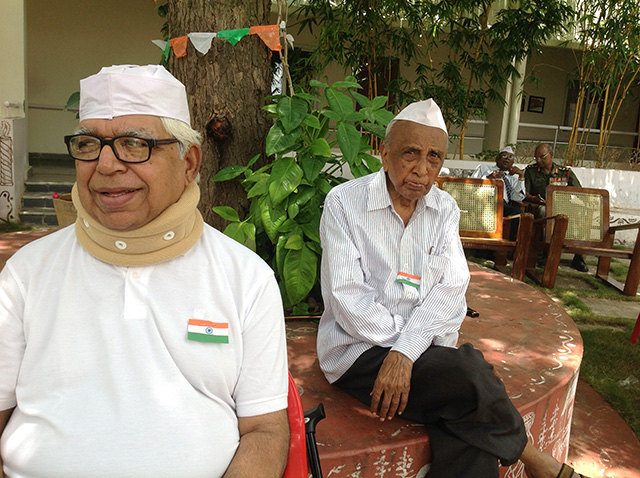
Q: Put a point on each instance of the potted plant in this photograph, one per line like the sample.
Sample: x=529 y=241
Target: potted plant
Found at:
x=309 y=148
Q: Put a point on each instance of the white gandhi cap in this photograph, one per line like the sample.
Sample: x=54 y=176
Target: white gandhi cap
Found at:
x=425 y=112
x=507 y=149
x=133 y=90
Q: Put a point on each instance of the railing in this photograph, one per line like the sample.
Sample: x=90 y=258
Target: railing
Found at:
x=50 y=108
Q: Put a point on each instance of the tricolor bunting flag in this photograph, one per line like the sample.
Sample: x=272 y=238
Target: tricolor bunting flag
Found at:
x=404 y=278
x=206 y=331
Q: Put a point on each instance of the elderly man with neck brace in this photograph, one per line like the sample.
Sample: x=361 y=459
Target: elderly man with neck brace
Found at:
x=140 y=341
x=394 y=278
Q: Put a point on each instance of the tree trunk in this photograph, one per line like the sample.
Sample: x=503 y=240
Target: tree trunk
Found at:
x=226 y=90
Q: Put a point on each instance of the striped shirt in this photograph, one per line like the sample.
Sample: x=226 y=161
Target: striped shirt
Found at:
x=514 y=188
x=371 y=264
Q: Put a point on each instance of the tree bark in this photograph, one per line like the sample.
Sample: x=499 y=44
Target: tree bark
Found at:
x=226 y=90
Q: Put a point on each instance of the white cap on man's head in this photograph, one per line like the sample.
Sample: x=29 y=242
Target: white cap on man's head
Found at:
x=425 y=112
x=133 y=90
x=507 y=149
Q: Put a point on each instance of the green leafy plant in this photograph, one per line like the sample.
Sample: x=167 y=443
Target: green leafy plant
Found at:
x=310 y=148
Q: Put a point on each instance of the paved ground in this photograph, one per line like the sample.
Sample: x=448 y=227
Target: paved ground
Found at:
x=601 y=445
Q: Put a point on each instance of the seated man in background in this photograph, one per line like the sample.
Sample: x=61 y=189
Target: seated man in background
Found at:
x=514 y=191
x=511 y=175
x=544 y=172
x=394 y=278
x=140 y=341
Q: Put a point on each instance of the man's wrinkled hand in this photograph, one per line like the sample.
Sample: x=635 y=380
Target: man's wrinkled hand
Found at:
x=391 y=389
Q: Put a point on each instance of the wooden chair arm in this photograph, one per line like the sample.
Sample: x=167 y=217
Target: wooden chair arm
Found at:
x=622 y=227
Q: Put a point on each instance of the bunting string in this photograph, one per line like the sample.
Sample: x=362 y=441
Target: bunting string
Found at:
x=202 y=41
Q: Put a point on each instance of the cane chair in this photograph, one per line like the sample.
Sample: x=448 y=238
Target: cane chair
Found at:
x=482 y=225
x=589 y=233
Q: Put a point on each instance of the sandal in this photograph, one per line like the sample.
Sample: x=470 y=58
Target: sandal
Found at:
x=567 y=472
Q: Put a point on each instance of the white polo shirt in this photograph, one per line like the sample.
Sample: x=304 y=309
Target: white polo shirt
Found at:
x=106 y=381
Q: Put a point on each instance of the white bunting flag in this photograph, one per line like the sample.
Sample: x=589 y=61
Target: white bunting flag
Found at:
x=202 y=41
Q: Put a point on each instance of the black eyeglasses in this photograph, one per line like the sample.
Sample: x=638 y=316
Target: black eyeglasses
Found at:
x=128 y=149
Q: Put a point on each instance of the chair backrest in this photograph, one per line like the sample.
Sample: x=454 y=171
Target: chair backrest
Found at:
x=297 y=466
x=587 y=210
x=480 y=202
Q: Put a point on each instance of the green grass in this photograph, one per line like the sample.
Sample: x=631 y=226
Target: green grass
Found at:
x=611 y=365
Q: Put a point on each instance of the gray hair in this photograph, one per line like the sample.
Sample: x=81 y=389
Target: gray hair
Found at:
x=387 y=133
x=185 y=135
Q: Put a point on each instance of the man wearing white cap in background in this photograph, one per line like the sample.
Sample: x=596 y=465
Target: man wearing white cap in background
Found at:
x=394 y=278
x=514 y=190
x=140 y=341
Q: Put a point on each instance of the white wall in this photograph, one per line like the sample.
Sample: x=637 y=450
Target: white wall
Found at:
x=68 y=40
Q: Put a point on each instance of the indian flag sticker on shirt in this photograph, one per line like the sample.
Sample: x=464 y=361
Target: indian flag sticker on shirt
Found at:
x=404 y=278
x=206 y=331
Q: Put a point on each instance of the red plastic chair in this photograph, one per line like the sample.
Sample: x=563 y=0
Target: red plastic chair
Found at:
x=303 y=460
x=297 y=462
x=636 y=331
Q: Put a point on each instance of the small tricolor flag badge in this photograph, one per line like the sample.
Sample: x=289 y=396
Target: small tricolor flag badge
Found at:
x=404 y=278
x=206 y=331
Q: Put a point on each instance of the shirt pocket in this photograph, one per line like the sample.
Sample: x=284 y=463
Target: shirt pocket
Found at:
x=432 y=273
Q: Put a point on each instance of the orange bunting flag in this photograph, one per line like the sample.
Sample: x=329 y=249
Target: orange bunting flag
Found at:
x=179 y=45
x=269 y=34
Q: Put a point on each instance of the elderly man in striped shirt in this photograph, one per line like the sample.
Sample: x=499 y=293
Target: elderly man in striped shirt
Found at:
x=394 y=277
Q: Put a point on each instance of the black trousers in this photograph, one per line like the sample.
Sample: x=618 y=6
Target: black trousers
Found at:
x=470 y=420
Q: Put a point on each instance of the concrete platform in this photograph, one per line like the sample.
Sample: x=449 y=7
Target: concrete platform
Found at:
x=533 y=344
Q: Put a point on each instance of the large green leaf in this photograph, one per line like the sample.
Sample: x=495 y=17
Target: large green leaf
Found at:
x=293 y=210
x=312 y=229
x=339 y=102
x=373 y=163
x=281 y=253
x=348 y=140
x=294 y=242
x=320 y=147
x=272 y=217
x=235 y=231
x=279 y=141
x=379 y=102
x=302 y=197
x=291 y=111
x=376 y=129
x=249 y=229
x=300 y=268
x=317 y=84
x=285 y=178
x=226 y=212
x=311 y=121
x=383 y=116
x=311 y=166
x=348 y=82
x=229 y=172
x=307 y=96
x=362 y=100
x=259 y=188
